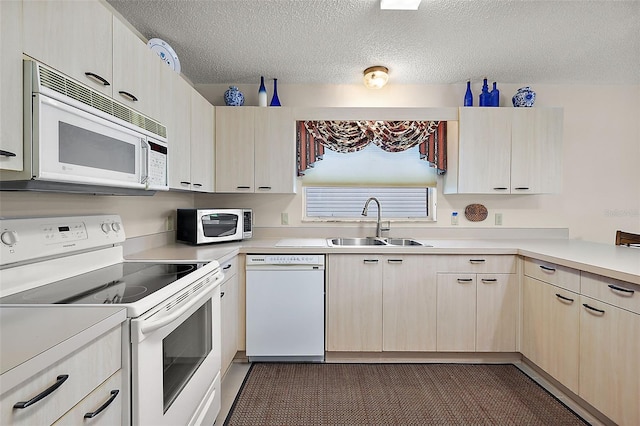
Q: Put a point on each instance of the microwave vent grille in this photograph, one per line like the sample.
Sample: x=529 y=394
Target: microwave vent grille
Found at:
x=59 y=83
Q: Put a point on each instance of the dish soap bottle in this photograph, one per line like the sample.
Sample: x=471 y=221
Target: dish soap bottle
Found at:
x=262 y=93
x=495 y=95
x=485 y=97
x=468 y=96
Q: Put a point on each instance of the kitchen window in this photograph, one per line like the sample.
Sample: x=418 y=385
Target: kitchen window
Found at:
x=362 y=159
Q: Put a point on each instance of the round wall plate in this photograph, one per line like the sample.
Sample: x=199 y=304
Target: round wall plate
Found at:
x=166 y=53
x=475 y=212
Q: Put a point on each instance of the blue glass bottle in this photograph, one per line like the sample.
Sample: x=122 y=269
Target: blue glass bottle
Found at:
x=274 y=100
x=262 y=93
x=485 y=97
x=495 y=95
x=468 y=96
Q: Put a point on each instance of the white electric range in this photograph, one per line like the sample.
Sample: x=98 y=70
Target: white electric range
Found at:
x=173 y=308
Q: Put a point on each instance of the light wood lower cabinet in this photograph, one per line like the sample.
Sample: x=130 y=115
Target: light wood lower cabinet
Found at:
x=354 y=303
x=551 y=330
x=456 y=312
x=229 y=313
x=609 y=360
x=496 y=312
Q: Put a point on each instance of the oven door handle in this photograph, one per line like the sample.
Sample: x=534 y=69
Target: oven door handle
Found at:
x=148 y=326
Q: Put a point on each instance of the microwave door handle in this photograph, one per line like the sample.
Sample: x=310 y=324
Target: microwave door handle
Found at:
x=144 y=163
x=149 y=326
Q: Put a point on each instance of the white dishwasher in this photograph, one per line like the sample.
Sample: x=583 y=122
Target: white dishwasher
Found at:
x=285 y=307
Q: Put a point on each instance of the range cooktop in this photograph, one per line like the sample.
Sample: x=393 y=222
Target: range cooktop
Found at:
x=122 y=283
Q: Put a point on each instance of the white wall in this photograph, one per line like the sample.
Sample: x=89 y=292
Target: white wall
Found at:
x=601 y=156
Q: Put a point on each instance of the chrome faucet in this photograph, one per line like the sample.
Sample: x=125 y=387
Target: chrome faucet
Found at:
x=365 y=210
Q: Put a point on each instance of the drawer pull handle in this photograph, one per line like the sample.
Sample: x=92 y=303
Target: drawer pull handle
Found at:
x=616 y=288
x=59 y=381
x=184 y=182
x=91 y=415
x=522 y=188
x=547 y=269
x=224 y=268
x=465 y=280
x=489 y=280
x=561 y=297
x=591 y=308
x=97 y=78
x=500 y=188
x=7 y=153
x=476 y=260
x=128 y=96
x=266 y=188
x=371 y=261
x=243 y=187
x=394 y=260
x=221 y=294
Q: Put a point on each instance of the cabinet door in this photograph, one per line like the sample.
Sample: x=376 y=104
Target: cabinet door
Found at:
x=485 y=150
x=275 y=150
x=229 y=320
x=456 y=313
x=551 y=330
x=10 y=87
x=536 y=150
x=354 y=303
x=179 y=135
x=609 y=354
x=497 y=312
x=409 y=306
x=136 y=72
x=235 y=149
x=202 y=143
x=74 y=37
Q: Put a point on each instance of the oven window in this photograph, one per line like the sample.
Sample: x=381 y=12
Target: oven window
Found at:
x=183 y=351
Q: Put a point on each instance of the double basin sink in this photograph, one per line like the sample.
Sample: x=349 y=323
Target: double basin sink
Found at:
x=374 y=241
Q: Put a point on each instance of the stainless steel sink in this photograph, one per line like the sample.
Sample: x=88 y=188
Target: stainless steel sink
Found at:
x=373 y=241
x=369 y=241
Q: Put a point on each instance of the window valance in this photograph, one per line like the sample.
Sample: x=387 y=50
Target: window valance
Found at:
x=352 y=136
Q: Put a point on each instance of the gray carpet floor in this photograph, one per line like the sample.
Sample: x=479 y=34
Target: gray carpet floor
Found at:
x=394 y=394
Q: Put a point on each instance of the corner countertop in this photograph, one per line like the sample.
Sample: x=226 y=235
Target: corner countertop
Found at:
x=612 y=261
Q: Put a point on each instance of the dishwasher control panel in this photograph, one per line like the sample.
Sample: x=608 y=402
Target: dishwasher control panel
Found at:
x=285 y=259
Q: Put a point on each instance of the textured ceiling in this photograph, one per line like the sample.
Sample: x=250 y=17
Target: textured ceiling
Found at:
x=443 y=42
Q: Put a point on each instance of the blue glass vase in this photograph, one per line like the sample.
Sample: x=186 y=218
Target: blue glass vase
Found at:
x=262 y=93
x=274 y=100
x=485 y=97
x=233 y=97
x=495 y=95
x=468 y=96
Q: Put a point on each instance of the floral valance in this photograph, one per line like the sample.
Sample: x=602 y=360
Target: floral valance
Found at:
x=352 y=136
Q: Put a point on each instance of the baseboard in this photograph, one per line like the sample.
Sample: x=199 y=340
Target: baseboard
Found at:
x=423 y=357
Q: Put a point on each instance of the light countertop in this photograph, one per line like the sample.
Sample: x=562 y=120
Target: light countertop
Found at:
x=617 y=262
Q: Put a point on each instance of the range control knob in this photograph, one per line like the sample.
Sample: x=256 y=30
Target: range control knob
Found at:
x=9 y=238
x=116 y=226
x=105 y=228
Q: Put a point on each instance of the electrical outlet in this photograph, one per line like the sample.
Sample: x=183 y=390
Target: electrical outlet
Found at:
x=169 y=223
x=498 y=218
x=284 y=218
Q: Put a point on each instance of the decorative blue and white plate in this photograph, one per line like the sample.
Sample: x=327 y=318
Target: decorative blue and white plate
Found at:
x=166 y=53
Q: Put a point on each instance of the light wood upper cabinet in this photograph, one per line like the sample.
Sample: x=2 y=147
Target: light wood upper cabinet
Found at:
x=10 y=77
x=136 y=72
x=551 y=330
x=179 y=134
x=354 y=303
x=409 y=304
x=506 y=151
x=255 y=150
x=74 y=37
x=202 y=144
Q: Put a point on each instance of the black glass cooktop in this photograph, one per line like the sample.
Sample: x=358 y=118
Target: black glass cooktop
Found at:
x=125 y=282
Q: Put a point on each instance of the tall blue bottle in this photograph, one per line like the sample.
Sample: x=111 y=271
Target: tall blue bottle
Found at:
x=468 y=96
x=485 y=97
x=275 y=101
x=495 y=96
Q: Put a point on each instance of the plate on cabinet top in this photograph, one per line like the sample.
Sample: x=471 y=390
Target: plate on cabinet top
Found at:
x=166 y=53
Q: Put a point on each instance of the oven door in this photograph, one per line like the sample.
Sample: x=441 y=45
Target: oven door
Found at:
x=72 y=145
x=176 y=359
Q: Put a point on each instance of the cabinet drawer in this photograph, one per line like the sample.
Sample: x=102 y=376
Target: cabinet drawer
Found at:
x=110 y=415
x=618 y=293
x=502 y=264
x=551 y=273
x=230 y=267
x=86 y=370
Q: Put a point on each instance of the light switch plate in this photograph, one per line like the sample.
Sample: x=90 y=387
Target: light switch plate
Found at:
x=498 y=219
x=284 y=218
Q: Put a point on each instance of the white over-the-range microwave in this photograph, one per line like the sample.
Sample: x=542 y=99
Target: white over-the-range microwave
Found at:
x=79 y=140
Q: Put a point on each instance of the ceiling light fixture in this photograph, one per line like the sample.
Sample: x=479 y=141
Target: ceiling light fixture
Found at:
x=376 y=77
x=399 y=4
